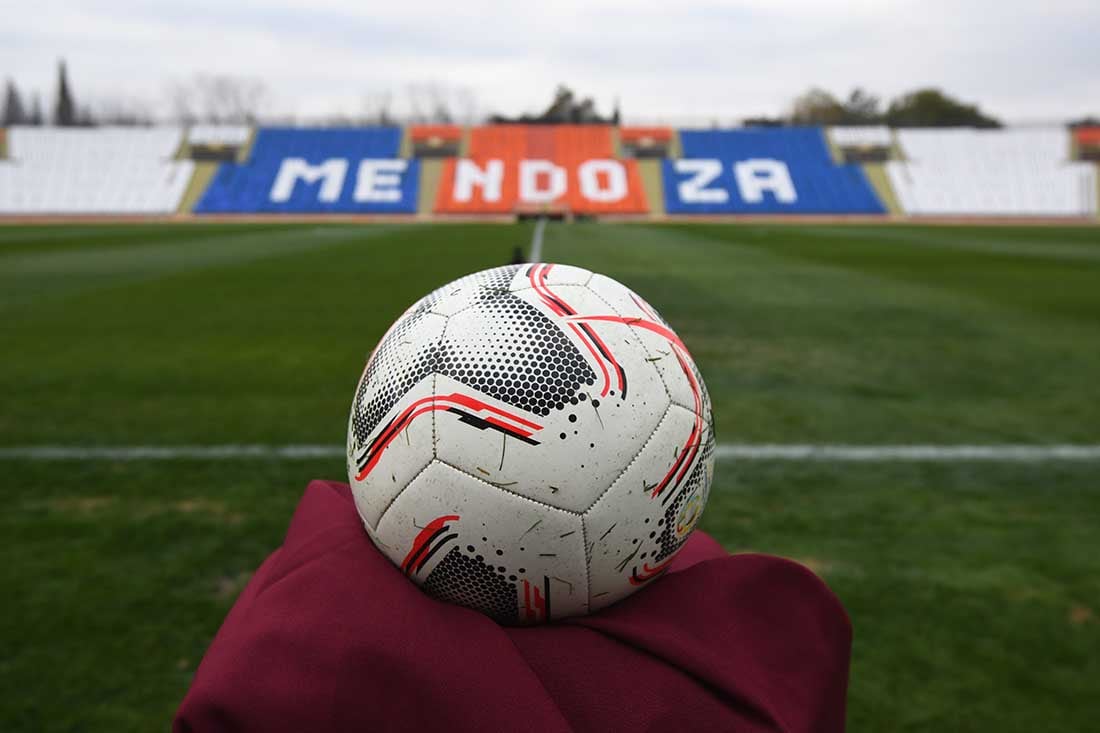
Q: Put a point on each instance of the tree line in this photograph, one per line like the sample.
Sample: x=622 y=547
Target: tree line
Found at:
x=228 y=99
x=64 y=113
x=927 y=107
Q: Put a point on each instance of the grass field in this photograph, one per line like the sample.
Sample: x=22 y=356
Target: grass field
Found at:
x=974 y=588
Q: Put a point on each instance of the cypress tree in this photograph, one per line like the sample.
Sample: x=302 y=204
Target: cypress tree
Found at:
x=65 y=110
x=35 y=117
x=14 y=113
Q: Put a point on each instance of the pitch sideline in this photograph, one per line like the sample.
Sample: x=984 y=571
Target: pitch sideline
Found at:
x=535 y=254
x=780 y=452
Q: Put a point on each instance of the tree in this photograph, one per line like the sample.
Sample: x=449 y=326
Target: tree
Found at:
x=65 y=109
x=862 y=108
x=14 y=114
x=376 y=108
x=85 y=117
x=816 y=107
x=429 y=103
x=219 y=99
x=565 y=108
x=933 y=108
x=763 y=122
x=123 y=111
x=819 y=107
x=36 y=117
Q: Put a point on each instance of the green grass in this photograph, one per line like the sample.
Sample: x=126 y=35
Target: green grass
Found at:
x=974 y=588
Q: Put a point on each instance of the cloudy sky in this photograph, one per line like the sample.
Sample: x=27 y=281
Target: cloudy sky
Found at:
x=671 y=61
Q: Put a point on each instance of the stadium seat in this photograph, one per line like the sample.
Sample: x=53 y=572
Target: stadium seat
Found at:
x=862 y=143
x=861 y=136
x=435 y=141
x=645 y=142
x=518 y=168
x=763 y=171
x=966 y=172
x=219 y=135
x=1087 y=140
x=212 y=143
x=93 y=171
x=317 y=170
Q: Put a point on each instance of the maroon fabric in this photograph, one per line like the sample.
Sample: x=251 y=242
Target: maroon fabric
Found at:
x=329 y=636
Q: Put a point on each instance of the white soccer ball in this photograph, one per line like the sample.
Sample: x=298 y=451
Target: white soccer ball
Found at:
x=532 y=441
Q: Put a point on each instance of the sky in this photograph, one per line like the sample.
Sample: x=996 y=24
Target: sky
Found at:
x=665 y=62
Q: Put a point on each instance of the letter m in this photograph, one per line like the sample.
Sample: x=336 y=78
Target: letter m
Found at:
x=330 y=173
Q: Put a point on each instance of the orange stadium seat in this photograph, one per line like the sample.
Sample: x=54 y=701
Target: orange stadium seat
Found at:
x=645 y=135
x=428 y=133
x=435 y=141
x=646 y=142
x=1088 y=143
x=1089 y=136
x=529 y=168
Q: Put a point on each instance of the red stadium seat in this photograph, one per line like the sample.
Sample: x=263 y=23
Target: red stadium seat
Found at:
x=518 y=168
x=1087 y=135
x=645 y=135
x=429 y=133
x=1088 y=142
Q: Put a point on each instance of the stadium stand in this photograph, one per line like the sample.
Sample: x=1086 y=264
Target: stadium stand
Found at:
x=763 y=171
x=1087 y=141
x=649 y=146
x=556 y=169
x=862 y=136
x=217 y=142
x=219 y=135
x=646 y=142
x=1020 y=172
x=317 y=170
x=435 y=141
x=862 y=144
x=103 y=170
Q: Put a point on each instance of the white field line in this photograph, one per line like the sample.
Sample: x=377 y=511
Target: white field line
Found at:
x=535 y=254
x=166 y=452
x=931 y=453
x=726 y=451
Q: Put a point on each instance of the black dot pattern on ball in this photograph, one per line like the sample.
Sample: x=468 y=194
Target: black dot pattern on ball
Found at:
x=466 y=290
x=668 y=541
x=515 y=354
x=388 y=375
x=466 y=581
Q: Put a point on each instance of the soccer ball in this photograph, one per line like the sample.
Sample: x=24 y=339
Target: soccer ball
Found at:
x=531 y=441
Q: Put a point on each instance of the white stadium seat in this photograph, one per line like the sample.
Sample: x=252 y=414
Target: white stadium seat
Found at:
x=93 y=171
x=861 y=136
x=214 y=135
x=1022 y=172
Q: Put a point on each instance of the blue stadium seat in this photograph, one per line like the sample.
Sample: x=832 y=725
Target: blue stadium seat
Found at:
x=317 y=170
x=763 y=171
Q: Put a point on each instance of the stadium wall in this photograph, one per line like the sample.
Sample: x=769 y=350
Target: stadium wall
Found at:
x=498 y=172
x=317 y=170
x=559 y=169
x=1009 y=173
x=52 y=171
x=764 y=171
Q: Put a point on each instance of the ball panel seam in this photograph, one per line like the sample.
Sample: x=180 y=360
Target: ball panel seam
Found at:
x=638 y=338
x=506 y=490
x=631 y=462
x=408 y=483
